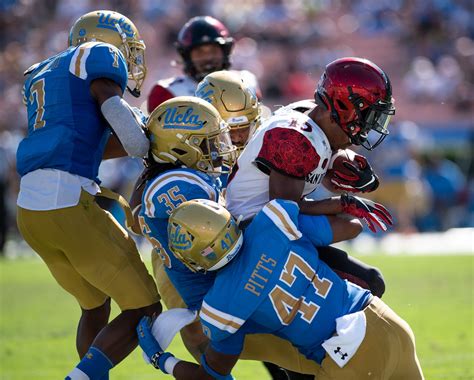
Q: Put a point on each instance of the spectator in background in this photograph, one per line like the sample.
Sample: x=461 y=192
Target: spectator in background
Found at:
x=401 y=189
x=204 y=45
x=3 y=198
x=448 y=188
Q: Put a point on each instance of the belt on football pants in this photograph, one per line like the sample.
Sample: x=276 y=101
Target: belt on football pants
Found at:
x=109 y=194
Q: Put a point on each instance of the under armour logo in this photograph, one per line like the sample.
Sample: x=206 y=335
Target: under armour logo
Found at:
x=343 y=354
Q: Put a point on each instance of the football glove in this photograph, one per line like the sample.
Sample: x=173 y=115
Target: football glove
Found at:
x=374 y=214
x=361 y=179
x=147 y=341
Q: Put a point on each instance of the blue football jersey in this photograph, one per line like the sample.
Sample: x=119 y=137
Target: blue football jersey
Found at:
x=66 y=129
x=160 y=197
x=277 y=285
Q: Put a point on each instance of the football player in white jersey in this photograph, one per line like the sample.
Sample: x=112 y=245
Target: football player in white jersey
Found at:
x=204 y=45
x=238 y=106
x=289 y=155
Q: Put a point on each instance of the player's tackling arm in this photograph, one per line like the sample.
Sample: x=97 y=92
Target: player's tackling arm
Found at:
x=285 y=187
x=118 y=114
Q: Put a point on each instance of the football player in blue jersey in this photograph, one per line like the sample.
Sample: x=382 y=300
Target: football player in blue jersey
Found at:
x=183 y=130
x=76 y=118
x=188 y=144
x=274 y=282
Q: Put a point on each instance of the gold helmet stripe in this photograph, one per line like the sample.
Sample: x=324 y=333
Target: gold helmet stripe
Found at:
x=282 y=220
x=169 y=177
x=221 y=320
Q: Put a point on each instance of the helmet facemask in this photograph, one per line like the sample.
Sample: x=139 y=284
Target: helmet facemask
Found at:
x=370 y=117
x=134 y=53
x=215 y=149
x=251 y=127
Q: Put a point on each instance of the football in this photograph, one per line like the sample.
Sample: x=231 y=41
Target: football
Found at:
x=336 y=164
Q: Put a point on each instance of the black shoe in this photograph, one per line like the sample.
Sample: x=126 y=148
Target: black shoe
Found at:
x=278 y=373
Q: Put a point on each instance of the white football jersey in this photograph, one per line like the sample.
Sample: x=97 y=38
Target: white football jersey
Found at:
x=289 y=142
x=181 y=85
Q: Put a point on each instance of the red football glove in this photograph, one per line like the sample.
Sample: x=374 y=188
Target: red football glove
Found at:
x=373 y=214
x=362 y=178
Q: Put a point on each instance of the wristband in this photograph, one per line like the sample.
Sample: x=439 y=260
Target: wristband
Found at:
x=164 y=361
x=213 y=373
x=169 y=364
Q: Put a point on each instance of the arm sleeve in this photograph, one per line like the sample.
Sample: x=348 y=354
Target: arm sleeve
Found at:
x=288 y=152
x=126 y=125
x=316 y=228
x=104 y=61
x=158 y=95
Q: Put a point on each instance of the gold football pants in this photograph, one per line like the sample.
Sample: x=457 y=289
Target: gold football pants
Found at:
x=89 y=254
x=386 y=353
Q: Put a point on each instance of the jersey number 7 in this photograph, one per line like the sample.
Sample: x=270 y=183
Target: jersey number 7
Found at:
x=37 y=91
x=285 y=304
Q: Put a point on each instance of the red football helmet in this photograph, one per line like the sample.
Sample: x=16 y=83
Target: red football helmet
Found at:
x=203 y=30
x=359 y=95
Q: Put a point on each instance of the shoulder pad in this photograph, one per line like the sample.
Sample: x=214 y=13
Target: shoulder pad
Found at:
x=92 y=60
x=32 y=68
x=301 y=106
x=284 y=215
x=287 y=148
x=173 y=187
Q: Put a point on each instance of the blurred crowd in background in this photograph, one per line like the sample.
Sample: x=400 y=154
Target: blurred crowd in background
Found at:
x=426 y=47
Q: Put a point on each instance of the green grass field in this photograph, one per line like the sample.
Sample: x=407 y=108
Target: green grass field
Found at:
x=433 y=293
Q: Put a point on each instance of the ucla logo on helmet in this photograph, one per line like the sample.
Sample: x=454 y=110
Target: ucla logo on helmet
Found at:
x=176 y=119
x=204 y=93
x=179 y=239
x=82 y=32
x=108 y=22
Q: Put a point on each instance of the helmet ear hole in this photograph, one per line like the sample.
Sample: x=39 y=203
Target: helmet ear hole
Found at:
x=178 y=151
x=341 y=105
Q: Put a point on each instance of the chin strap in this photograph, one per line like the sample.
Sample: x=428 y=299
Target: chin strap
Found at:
x=135 y=93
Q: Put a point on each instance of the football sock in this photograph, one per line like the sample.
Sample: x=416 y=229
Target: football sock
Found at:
x=95 y=365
